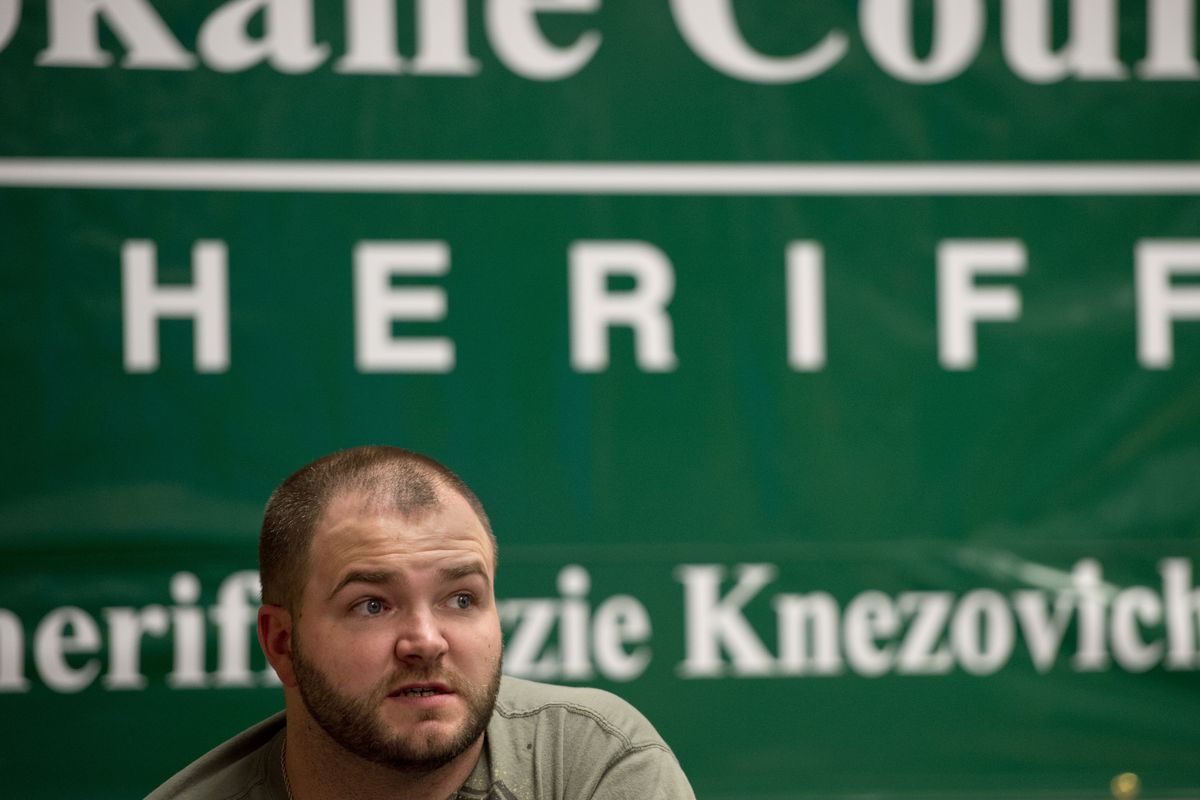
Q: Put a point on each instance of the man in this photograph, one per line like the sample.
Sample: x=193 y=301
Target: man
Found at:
x=380 y=619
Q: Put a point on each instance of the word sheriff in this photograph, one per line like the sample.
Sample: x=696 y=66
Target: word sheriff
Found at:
x=646 y=277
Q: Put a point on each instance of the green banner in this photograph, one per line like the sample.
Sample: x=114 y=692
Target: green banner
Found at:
x=830 y=371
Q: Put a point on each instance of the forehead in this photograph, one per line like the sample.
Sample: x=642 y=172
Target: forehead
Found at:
x=357 y=527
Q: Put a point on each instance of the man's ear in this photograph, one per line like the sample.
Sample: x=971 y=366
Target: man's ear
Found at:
x=275 y=638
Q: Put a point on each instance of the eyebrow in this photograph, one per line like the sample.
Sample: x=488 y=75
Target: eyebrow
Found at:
x=464 y=571
x=381 y=577
x=363 y=576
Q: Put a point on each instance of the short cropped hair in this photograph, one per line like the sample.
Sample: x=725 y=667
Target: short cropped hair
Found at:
x=398 y=478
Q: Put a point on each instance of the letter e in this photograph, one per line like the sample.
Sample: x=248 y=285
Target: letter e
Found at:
x=377 y=305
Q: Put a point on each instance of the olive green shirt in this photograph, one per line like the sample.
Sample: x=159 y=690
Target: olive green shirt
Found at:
x=543 y=743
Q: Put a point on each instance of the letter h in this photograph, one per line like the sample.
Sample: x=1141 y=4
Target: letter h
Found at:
x=145 y=302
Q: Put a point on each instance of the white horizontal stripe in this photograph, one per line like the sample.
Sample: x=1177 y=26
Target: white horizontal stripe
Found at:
x=608 y=178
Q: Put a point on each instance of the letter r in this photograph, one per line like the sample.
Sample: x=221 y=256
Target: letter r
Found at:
x=594 y=309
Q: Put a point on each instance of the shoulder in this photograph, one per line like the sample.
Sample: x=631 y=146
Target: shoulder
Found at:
x=557 y=741
x=238 y=769
x=577 y=710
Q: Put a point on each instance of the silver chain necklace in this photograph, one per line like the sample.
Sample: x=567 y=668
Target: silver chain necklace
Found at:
x=287 y=785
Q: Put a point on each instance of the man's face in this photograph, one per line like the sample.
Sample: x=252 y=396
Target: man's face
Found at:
x=396 y=645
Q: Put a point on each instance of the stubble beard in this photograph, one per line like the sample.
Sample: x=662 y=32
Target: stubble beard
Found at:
x=355 y=724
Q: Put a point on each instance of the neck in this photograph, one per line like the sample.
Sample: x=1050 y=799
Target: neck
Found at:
x=318 y=768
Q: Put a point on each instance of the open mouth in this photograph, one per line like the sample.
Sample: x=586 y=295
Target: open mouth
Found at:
x=420 y=691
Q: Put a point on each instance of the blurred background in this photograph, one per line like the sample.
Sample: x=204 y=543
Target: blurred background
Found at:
x=859 y=451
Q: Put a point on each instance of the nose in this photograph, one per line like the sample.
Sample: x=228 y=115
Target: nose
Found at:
x=419 y=638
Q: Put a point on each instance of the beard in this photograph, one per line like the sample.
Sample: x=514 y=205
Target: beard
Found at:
x=354 y=722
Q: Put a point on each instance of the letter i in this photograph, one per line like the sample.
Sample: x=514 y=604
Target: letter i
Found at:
x=574 y=584
x=188 y=621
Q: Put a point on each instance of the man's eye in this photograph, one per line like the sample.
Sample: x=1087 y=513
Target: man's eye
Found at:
x=371 y=607
x=462 y=600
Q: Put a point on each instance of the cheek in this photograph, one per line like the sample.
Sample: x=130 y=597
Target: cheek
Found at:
x=481 y=641
x=357 y=654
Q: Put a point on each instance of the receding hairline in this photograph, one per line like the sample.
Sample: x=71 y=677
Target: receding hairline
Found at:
x=356 y=500
x=390 y=478
x=367 y=501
